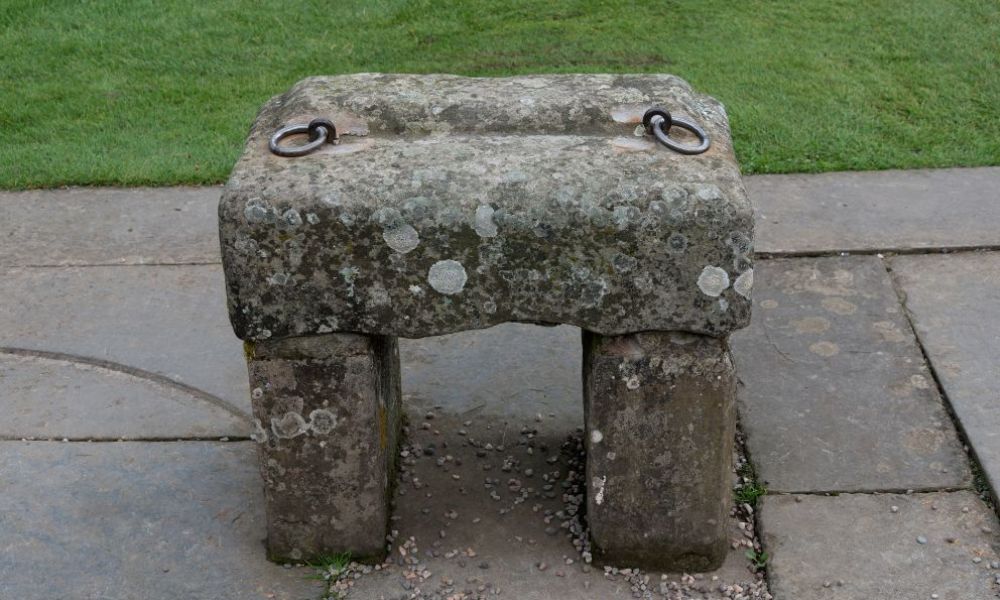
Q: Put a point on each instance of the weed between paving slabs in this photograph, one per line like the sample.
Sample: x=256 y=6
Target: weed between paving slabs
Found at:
x=488 y=508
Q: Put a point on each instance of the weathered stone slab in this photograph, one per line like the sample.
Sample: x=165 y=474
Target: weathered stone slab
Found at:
x=458 y=203
x=660 y=422
x=158 y=521
x=87 y=226
x=836 y=394
x=161 y=322
x=52 y=398
x=883 y=210
x=856 y=547
x=954 y=301
x=326 y=419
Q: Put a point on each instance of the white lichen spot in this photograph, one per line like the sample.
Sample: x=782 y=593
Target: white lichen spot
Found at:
x=292 y=218
x=596 y=436
x=632 y=382
x=624 y=263
x=257 y=393
x=401 y=238
x=677 y=243
x=258 y=211
x=744 y=283
x=258 y=434
x=624 y=215
x=639 y=131
x=265 y=333
x=322 y=421
x=713 y=281
x=489 y=307
x=920 y=382
x=278 y=279
x=346 y=218
x=416 y=290
x=290 y=425
x=312 y=218
x=598 y=483
x=723 y=304
x=447 y=276
x=485 y=225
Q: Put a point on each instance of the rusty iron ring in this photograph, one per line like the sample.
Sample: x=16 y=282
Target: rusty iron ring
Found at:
x=658 y=122
x=321 y=131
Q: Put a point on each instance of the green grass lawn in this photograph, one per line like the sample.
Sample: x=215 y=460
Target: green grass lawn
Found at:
x=163 y=92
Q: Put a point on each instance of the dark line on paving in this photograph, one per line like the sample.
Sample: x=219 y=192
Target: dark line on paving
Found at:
x=899 y=491
x=133 y=371
x=876 y=251
x=975 y=464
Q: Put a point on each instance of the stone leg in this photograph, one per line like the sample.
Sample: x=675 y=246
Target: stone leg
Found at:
x=660 y=427
x=326 y=419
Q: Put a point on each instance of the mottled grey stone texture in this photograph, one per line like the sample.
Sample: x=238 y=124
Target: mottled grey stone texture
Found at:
x=458 y=203
x=326 y=419
x=660 y=423
x=856 y=547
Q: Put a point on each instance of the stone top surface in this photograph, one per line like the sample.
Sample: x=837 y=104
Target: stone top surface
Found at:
x=456 y=203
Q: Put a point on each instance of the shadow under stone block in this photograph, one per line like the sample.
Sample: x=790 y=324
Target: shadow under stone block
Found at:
x=660 y=423
x=326 y=419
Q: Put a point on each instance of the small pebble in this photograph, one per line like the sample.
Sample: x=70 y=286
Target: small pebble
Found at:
x=921 y=539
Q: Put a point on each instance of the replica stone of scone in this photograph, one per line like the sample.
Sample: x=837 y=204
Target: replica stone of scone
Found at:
x=455 y=203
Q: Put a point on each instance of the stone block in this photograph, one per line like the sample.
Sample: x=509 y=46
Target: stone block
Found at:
x=457 y=203
x=326 y=419
x=660 y=424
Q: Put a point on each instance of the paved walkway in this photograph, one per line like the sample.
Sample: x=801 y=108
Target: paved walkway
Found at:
x=870 y=404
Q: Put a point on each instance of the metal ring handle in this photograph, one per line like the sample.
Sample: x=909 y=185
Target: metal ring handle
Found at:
x=320 y=132
x=703 y=142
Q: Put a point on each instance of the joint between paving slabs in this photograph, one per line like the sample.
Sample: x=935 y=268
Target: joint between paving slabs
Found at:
x=743 y=451
x=979 y=482
x=880 y=252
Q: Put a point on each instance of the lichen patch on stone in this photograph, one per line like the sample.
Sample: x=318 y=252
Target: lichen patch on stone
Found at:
x=447 y=277
x=744 y=283
x=402 y=238
x=485 y=225
x=713 y=281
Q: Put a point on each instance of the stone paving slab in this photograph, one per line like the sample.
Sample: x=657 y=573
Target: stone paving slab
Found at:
x=50 y=398
x=124 y=520
x=510 y=369
x=166 y=323
x=88 y=226
x=854 y=547
x=836 y=395
x=954 y=301
x=877 y=210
